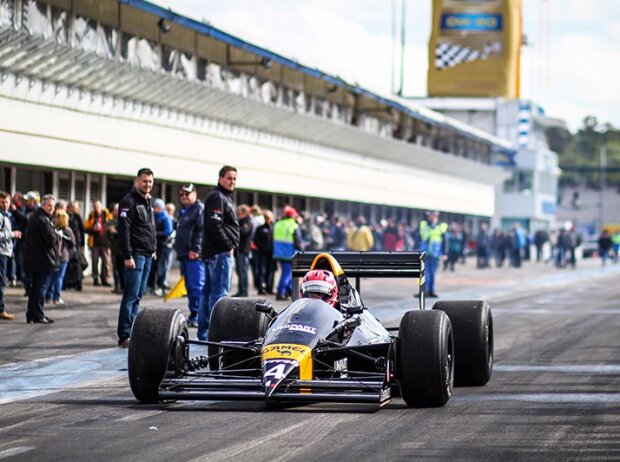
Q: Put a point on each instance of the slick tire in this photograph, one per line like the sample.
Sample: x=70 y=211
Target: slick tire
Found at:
x=235 y=319
x=154 y=350
x=425 y=358
x=472 y=322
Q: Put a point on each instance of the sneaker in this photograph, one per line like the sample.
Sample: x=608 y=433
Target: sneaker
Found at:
x=43 y=320
x=124 y=343
x=60 y=301
x=7 y=316
x=48 y=301
x=159 y=292
x=192 y=322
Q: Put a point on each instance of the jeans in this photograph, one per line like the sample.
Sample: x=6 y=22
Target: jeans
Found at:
x=135 y=285
x=431 y=270
x=265 y=272
x=53 y=291
x=242 y=264
x=218 y=270
x=36 y=295
x=194 y=273
x=163 y=260
x=3 y=267
x=285 y=285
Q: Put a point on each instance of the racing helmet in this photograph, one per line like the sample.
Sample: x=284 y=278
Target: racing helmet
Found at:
x=320 y=284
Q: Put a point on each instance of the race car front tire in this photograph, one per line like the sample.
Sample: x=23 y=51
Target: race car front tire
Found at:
x=425 y=358
x=472 y=322
x=152 y=350
x=236 y=319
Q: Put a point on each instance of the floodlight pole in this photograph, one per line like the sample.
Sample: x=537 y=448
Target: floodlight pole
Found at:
x=603 y=182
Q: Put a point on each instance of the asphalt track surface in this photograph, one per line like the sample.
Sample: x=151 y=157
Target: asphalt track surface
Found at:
x=554 y=394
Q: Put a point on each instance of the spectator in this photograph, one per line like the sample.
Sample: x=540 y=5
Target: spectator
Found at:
x=136 y=227
x=540 y=239
x=118 y=263
x=616 y=244
x=432 y=235
x=163 y=232
x=67 y=244
x=18 y=223
x=454 y=245
x=31 y=205
x=483 y=246
x=76 y=223
x=41 y=258
x=256 y=214
x=171 y=211
x=336 y=236
x=98 y=243
x=391 y=237
x=286 y=240
x=263 y=240
x=6 y=247
x=311 y=233
x=605 y=244
x=220 y=238
x=242 y=253
x=360 y=237
x=188 y=247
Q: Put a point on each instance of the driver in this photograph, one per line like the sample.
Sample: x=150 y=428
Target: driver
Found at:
x=320 y=284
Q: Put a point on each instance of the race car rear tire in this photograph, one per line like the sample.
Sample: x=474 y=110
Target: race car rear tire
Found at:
x=472 y=322
x=425 y=358
x=151 y=350
x=236 y=319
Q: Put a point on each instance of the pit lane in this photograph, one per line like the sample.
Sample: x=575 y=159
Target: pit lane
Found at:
x=554 y=393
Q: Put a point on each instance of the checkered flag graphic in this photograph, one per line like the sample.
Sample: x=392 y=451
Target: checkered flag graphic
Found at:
x=449 y=55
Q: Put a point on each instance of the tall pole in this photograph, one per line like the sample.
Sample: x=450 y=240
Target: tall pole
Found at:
x=393 y=82
x=403 y=29
x=603 y=185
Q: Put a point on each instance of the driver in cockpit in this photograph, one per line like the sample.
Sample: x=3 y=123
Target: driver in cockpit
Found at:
x=320 y=284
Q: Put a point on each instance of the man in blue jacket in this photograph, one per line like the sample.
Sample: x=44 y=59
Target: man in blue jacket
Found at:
x=188 y=246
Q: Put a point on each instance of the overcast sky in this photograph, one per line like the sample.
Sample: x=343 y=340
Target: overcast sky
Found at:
x=571 y=75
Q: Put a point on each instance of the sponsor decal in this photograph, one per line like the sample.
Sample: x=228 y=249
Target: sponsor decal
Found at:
x=123 y=213
x=341 y=364
x=385 y=394
x=298 y=328
x=301 y=354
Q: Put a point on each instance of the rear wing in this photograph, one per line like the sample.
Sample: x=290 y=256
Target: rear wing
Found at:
x=358 y=265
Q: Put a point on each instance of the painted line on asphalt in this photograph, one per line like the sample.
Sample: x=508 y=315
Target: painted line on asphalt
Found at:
x=41 y=377
x=555 y=398
x=594 y=369
x=5 y=453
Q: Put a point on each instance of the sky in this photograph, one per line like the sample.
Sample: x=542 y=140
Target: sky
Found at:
x=570 y=64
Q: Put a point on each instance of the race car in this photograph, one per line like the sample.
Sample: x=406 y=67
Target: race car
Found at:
x=313 y=351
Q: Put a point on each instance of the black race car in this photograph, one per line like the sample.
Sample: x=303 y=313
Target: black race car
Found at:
x=313 y=352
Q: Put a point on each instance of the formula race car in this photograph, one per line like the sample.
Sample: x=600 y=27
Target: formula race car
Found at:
x=311 y=351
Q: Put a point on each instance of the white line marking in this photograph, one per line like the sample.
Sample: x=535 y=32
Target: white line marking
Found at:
x=138 y=416
x=15 y=451
x=545 y=397
x=596 y=369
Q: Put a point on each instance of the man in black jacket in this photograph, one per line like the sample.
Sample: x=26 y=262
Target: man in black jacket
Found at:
x=136 y=228
x=188 y=246
x=41 y=258
x=220 y=238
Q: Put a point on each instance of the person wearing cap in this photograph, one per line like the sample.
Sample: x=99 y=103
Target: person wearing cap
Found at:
x=188 y=247
x=286 y=240
x=432 y=242
x=99 y=244
x=163 y=233
x=136 y=228
x=220 y=239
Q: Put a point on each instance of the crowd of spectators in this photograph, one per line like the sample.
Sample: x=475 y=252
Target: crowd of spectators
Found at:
x=49 y=256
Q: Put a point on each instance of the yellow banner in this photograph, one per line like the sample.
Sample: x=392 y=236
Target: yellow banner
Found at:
x=474 y=48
